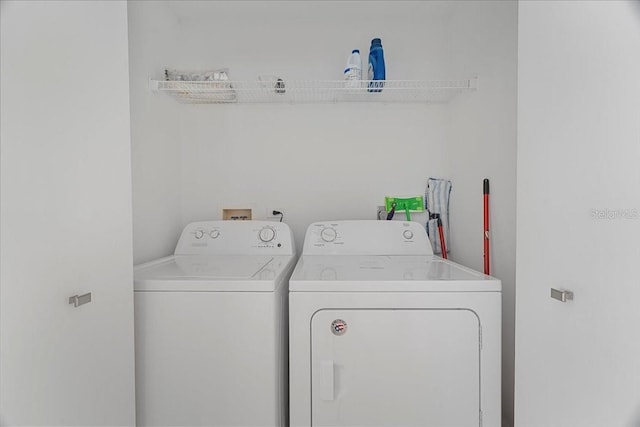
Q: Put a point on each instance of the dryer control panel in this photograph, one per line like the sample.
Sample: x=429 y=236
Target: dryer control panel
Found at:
x=236 y=238
x=366 y=237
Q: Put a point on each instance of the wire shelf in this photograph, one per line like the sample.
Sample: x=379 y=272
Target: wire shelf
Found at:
x=314 y=91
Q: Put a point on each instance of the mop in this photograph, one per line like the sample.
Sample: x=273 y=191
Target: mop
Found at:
x=485 y=196
x=406 y=205
x=437 y=197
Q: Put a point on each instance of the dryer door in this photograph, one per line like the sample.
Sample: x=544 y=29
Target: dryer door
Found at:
x=403 y=367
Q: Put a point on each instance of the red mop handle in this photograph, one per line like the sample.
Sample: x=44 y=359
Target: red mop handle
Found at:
x=485 y=192
x=443 y=244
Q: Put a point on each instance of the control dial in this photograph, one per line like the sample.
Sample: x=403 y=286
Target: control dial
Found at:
x=267 y=234
x=328 y=234
x=199 y=234
x=214 y=234
x=408 y=234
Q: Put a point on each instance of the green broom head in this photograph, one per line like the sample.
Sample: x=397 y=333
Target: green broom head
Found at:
x=405 y=204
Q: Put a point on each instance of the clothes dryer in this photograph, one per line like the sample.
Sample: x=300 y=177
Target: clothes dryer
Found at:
x=210 y=327
x=384 y=333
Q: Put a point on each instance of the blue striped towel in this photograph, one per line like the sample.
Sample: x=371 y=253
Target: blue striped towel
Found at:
x=437 y=202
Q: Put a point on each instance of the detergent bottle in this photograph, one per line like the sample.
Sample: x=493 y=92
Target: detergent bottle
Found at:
x=376 y=66
x=353 y=71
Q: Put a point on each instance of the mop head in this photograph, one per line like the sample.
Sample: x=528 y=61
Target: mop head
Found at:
x=438 y=194
x=411 y=204
x=406 y=205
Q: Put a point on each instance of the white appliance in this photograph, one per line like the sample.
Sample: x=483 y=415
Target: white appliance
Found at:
x=384 y=333
x=210 y=325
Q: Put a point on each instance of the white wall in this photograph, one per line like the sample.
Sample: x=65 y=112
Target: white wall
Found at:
x=314 y=162
x=155 y=132
x=482 y=144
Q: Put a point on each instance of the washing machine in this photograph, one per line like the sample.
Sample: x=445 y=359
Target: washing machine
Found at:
x=210 y=327
x=384 y=333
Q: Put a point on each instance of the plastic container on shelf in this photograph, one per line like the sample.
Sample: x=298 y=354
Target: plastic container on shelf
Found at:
x=376 y=66
x=353 y=71
x=220 y=74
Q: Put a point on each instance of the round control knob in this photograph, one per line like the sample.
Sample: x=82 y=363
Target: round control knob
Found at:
x=267 y=234
x=199 y=234
x=214 y=234
x=328 y=234
x=408 y=234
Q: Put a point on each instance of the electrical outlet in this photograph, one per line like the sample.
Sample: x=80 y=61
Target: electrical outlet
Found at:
x=271 y=215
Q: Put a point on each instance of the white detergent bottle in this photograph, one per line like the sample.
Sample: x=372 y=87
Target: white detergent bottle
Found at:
x=353 y=71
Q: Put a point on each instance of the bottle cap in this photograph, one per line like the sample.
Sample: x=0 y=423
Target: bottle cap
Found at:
x=376 y=41
x=355 y=51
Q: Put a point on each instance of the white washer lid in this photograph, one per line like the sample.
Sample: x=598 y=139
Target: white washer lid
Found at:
x=212 y=273
x=327 y=273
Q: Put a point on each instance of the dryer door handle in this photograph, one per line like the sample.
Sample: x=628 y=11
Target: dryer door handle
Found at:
x=327 y=380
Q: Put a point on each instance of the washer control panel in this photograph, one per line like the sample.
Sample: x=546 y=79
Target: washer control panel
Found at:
x=366 y=237
x=236 y=238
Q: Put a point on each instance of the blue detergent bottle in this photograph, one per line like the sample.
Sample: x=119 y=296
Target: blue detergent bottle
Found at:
x=376 y=66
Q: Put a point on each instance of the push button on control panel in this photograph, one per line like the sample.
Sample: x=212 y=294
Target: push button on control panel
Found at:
x=408 y=234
